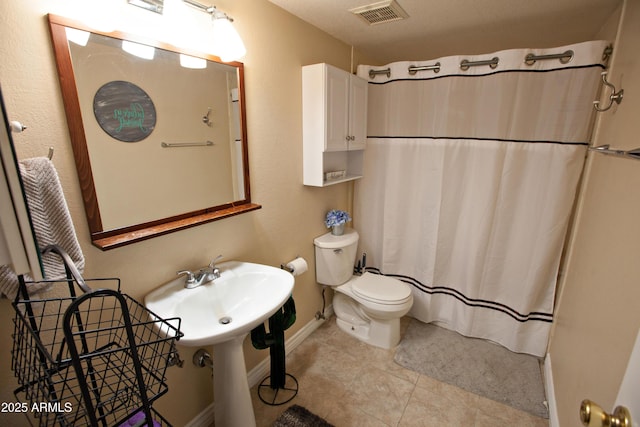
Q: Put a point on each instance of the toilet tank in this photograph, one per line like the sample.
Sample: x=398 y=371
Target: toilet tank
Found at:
x=335 y=257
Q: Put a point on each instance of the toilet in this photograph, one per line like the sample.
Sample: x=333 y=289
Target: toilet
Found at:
x=368 y=307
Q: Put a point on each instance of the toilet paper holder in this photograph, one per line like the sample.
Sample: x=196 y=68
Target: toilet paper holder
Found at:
x=286 y=267
x=289 y=266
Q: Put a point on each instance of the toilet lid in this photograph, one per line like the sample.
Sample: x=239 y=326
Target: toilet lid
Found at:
x=382 y=289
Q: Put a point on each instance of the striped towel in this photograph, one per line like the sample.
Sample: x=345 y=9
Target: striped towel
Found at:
x=51 y=223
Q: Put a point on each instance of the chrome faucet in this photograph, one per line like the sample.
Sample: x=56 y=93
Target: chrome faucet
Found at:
x=205 y=275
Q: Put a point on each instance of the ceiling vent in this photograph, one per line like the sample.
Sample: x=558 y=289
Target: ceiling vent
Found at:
x=380 y=12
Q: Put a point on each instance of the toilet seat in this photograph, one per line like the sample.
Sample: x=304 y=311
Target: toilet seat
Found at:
x=381 y=289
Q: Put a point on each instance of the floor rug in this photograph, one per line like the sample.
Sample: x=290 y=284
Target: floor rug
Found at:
x=298 y=416
x=475 y=365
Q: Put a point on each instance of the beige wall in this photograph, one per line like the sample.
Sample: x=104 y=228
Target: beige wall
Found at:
x=597 y=315
x=292 y=215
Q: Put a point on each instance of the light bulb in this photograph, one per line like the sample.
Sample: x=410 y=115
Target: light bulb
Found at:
x=188 y=61
x=140 y=50
x=227 y=42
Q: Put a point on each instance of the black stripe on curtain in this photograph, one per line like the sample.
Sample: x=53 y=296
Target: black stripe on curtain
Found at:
x=471 y=302
x=521 y=141
x=488 y=74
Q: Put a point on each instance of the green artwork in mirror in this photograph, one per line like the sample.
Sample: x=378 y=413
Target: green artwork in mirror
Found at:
x=124 y=111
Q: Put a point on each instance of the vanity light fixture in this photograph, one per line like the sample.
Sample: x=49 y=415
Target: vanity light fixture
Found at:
x=227 y=42
x=156 y=6
x=140 y=50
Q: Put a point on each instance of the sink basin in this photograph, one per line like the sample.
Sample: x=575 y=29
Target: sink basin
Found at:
x=244 y=296
x=221 y=313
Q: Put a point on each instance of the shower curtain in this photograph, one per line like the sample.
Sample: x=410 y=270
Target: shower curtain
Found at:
x=470 y=176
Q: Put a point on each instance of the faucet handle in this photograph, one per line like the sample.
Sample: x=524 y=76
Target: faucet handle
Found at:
x=191 y=278
x=212 y=264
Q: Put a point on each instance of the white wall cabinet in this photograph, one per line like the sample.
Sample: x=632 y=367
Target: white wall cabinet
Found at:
x=334 y=111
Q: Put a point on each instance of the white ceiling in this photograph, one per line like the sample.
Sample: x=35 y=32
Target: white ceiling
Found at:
x=437 y=28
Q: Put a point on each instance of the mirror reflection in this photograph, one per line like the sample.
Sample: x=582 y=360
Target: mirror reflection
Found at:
x=158 y=134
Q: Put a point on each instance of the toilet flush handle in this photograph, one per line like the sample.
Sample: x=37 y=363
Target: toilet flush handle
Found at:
x=337 y=251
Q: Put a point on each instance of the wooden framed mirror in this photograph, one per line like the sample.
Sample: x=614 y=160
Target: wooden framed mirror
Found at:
x=159 y=138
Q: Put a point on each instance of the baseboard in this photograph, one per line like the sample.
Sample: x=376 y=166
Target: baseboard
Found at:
x=549 y=390
x=205 y=418
x=261 y=370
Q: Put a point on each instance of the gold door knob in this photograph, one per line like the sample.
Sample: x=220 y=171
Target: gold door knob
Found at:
x=593 y=415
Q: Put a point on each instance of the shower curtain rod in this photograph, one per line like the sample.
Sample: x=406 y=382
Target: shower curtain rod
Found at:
x=564 y=57
x=465 y=64
x=374 y=73
x=530 y=59
x=413 y=69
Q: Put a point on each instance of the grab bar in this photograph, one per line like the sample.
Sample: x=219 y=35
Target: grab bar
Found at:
x=465 y=64
x=186 y=144
x=413 y=69
x=564 y=57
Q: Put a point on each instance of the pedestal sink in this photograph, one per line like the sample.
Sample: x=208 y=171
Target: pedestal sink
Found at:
x=221 y=313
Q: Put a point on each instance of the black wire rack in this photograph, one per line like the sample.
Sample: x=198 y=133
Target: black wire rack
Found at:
x=90 y=357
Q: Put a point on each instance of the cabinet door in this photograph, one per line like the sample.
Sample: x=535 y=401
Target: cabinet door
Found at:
x=337 y=110
x=358 y=113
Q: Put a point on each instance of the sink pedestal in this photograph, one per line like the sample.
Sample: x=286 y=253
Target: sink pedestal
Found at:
x=232 y=399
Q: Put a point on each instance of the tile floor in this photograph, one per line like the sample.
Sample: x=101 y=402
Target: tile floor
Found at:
x=350 y=383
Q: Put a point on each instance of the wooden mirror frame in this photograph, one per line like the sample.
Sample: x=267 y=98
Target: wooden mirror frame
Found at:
x=109 y=239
